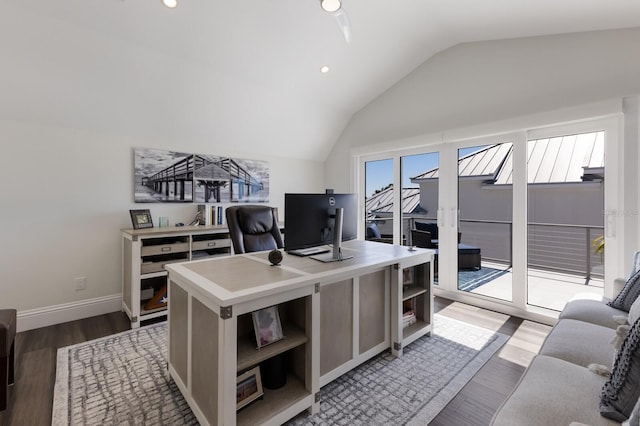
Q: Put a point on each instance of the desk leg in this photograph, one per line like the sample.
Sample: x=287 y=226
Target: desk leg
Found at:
x=313 y=352
x=396 y=310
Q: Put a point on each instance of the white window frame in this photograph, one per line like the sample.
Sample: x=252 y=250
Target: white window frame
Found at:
x=447 y=148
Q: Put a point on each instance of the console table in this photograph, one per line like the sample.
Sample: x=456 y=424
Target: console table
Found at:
x=334 y=316
x=145 y=252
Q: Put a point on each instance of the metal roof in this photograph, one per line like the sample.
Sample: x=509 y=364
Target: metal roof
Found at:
x=563 y=159
x=382 y=202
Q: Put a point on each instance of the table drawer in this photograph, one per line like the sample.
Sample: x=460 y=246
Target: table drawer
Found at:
x=211 y=244
x=164 y=249
x=151 y=267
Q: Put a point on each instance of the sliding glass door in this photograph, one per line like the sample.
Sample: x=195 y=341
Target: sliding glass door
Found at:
x=513 y=219
x=379 y=199
x=484 y=225
x=565 y=187
x=419 y=205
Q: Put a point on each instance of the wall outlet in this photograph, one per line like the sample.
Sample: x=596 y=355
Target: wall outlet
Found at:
x=81 y=283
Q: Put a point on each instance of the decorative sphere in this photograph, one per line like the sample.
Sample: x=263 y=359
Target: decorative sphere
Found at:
x=275 y=257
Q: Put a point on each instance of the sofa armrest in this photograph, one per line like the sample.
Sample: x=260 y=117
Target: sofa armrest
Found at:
x=618 y=285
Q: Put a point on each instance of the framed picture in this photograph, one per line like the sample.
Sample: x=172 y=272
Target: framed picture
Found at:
x=248 y=387
x=267 y=327
x=141 y=219
x=407 y=276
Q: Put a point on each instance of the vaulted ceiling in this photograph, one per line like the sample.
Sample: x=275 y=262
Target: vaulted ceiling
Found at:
x=245 y=73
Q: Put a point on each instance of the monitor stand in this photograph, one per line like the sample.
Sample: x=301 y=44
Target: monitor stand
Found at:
x=336 y=253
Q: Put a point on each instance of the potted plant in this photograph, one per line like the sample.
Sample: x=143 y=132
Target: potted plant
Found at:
x=598 y=245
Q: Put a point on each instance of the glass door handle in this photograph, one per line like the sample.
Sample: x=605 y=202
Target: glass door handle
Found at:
x=440 y=218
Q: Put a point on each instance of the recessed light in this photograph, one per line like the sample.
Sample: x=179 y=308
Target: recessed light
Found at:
x=170 y=3
x=324 y=69
x=331 y=5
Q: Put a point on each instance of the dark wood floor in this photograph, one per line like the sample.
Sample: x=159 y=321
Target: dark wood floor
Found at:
x=31 y=398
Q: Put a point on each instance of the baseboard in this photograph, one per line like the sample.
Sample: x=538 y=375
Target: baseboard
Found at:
x=50 y=315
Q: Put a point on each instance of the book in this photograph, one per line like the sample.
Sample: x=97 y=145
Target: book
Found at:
x=220 y=216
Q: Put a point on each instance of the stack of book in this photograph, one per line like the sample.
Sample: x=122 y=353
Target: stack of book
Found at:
x=408 y=317
x=211 y=214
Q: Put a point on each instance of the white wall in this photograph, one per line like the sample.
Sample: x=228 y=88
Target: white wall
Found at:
x=67 y=193
x=489 y=82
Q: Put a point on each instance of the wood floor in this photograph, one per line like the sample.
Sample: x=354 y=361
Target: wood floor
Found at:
x=31 y=398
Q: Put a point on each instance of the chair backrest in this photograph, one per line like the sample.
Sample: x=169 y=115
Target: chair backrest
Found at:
x=432 y=227
x=372 y=231
x=421 y=238
x=253 y=228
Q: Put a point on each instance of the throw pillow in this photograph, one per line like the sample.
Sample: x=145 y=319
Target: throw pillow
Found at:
x=634 y=311
x=621 y=392
x=628 y=295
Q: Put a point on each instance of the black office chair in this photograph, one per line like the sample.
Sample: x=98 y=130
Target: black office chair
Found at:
x=253 y=228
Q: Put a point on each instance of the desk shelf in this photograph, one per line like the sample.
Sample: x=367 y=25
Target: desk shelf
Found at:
x=412 y=304
x=409 y=331
x=412 y=292
x=273 y=401
x=248 y=355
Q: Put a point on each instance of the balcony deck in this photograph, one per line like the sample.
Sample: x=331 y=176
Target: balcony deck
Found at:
x=548 y=289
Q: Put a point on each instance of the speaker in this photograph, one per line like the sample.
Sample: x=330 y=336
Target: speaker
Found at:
x=275 y=257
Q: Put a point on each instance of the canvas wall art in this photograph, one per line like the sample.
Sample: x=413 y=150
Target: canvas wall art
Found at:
x=163 y=176
x=249 y=181
x=168 y=176
x=212 y=179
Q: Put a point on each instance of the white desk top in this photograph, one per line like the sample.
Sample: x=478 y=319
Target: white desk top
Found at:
x=233 y=279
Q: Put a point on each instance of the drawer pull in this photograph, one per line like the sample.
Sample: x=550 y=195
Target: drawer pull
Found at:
x=211 y=244
x=166 y=249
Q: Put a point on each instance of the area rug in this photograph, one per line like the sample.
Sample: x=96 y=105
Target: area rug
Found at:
x=122 y=379
x=470 y=280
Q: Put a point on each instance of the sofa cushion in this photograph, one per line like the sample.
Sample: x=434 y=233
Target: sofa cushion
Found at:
x=621 y=392
x=592 y=310
x=628 y=295
x=634 y=420
x=553 y=392
x=580 y=343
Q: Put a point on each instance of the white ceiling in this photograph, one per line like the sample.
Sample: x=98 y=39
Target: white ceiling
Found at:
x=245 y=72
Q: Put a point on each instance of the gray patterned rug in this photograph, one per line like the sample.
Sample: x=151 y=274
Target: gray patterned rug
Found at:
x=121 y=379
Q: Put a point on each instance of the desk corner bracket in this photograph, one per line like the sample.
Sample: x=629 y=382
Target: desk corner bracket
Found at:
x=226 y=312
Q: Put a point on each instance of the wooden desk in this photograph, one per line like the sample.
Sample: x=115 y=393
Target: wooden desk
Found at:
x=334 y=316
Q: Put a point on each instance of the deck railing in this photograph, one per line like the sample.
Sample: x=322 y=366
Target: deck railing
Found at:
x=564 y=248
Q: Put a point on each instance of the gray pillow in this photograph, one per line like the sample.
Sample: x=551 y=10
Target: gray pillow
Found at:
x=634 y=311
x=628 y=295
x=621 y=392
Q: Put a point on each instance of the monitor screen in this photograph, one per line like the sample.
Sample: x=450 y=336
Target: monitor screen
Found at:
x=309 y=219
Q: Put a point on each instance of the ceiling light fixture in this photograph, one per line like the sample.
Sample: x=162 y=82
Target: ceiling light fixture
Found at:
x=171 y=4
x=330 y=5
x=324 y=69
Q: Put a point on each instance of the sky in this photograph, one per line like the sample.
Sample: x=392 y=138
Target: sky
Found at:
x=379 y=173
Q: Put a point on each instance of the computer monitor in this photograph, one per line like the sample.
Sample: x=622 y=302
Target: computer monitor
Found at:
x=310 y=219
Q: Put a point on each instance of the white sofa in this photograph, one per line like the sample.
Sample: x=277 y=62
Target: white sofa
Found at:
x=557 y=388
